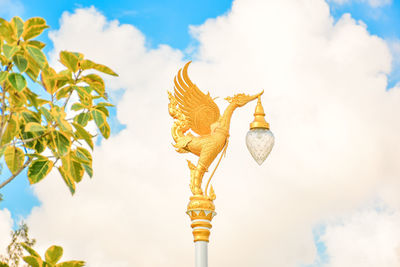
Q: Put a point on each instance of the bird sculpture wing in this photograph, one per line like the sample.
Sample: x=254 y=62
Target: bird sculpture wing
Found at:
x=199 y=108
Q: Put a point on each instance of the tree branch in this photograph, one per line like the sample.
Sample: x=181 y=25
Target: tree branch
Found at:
x=24 y=141
x=16 y=174
x=3 y=110
x=76 y=80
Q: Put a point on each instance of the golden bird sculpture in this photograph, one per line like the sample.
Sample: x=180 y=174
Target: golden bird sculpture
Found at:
x=193 y=110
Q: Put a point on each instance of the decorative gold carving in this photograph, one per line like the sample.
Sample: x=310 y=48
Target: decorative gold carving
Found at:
x=201 y=211
x=201 y=224
x=199 y=202
x=201 y=235
x=193 y=110
x=259 y=117
x=196 y=111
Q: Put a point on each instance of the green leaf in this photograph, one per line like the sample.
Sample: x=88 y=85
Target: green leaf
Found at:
x=71 y=264
x=103 y=109
x=10 y=131
x=18 y=25
x=96 y=82
x=49 y=79
x=17 y=99
x=14 y=158
x=33 y=73
x=101 y=122
x=29 y=135
x=40 y=145
x=3 y=75
x=37 y=55
x=37 y=44
x=7 y=31
x=38 y=170
x=53 y=254
x=46 y=114
x=104 y=69
x=84 y=95
x=59 y=116
x=99 y=117
x=63 y=92
x=33 y=27
x=105 y=104
x=76 y=170
x=88 y=64
x=69 y=60
x=82 y=118
x=34 y=22
x=30 y=250
x=33 y=261
x=33 y=98
x=33 y=68
x=20 y=62
x=77 y=106
x=17 y=81
x=34 y=127
x=67 y=179
x=34 y=31
x=9 y=50
x=2 y=264
x=88 y=170
x=62 y=143
x=30 y=116
x=83 y=155
x=83 y=134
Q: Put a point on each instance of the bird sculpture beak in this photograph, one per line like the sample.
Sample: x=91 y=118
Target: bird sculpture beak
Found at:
x=253 y=97
x=259 y=94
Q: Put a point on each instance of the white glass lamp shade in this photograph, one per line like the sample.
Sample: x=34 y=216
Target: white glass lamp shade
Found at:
x=260 y=141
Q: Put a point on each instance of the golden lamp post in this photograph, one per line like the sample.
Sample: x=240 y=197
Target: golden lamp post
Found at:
x=193 y=110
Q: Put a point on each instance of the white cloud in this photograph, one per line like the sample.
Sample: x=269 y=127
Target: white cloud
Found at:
x=372 y=3
x=5 y=229
x=394 y=46
x=365 y=239
x=325 y=97
x=11 y=8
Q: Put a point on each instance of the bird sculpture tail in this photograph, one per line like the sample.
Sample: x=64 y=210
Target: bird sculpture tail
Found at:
x=180 y=126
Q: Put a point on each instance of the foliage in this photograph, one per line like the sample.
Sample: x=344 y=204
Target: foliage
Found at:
x=42 y=129
x=15 y=249
x=52 y=256
x=20 y=241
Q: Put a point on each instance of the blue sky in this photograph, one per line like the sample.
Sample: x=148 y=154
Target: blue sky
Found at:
x=160 y=23
x=169 y=24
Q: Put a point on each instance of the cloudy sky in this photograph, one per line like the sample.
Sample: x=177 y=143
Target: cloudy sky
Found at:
x=328 y=195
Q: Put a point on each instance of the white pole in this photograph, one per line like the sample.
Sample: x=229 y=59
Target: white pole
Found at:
x=201 y=254
x=201 y=211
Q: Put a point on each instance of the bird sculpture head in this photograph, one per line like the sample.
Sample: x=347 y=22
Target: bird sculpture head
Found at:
x=242 y=99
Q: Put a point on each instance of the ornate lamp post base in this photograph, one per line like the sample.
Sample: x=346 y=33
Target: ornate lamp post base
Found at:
x=201 y=211
x=196 y=111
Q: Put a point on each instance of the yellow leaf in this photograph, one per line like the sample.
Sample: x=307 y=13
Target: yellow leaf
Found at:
x=14 y=158
x=49 y=80
x=33 y=27
x=96 y=82
x=11 y=131
x=67 y=179
x=34 y=127
x=7 y=31
x=69 y=60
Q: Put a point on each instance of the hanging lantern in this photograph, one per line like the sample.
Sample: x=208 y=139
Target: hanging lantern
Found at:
x=259 y=138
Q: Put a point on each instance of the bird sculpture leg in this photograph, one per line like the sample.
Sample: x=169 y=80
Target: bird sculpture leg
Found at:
x=196 y=177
